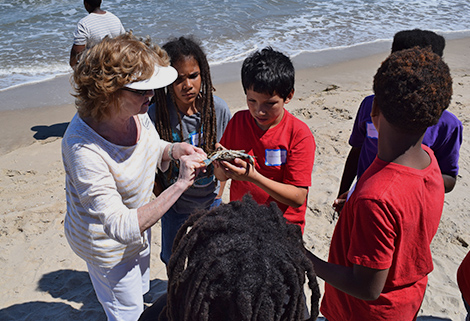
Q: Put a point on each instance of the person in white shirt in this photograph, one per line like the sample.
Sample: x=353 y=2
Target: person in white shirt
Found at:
x=110 y=152
x=94 y=27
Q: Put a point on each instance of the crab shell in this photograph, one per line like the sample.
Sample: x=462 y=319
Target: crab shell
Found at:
x=228 y=155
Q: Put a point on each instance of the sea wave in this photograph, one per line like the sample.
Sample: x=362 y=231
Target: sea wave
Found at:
x=35 y=41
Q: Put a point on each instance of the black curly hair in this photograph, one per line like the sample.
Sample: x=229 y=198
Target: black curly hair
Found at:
x=239 y=261
x=268 y=71
x=407 y=39
x=412 y=88
x=94 y=3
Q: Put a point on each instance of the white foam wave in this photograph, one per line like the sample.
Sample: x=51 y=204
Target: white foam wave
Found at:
x=33 y=71
x=229 y=30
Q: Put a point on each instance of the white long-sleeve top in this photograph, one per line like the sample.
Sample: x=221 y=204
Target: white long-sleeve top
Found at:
x=105 y=184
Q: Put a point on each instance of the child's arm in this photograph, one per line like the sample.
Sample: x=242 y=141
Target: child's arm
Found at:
x=350 y=170
x=358 y=281
x=288 y=194
x=349 y=173
x=449 y=182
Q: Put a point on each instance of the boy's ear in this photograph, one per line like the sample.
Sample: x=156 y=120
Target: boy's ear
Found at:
x=375 y=114
x=289 y=97
x=375 y=109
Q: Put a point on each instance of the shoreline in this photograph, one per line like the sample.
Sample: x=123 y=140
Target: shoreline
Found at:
x=48 y=106
x=57 y=90
x=43 y=279
x=44 y=121
x=320 y=57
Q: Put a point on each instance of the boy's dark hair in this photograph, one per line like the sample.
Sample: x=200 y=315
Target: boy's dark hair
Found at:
x=239 y=261
x=179 y=49
x=94 y=3
x=268 y=71
x=412 y=88
x=407 y=39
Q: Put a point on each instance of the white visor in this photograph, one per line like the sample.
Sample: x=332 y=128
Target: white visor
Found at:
x=162 y=77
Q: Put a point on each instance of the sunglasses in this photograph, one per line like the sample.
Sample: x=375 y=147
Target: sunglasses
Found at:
x=136 y=91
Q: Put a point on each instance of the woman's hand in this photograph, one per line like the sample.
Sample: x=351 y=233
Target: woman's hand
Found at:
x=180 y=149
x=189 y=168
x=189 y=165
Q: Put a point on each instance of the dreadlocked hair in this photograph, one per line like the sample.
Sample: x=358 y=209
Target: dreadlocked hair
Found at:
x=239 y=261
x=179 y=49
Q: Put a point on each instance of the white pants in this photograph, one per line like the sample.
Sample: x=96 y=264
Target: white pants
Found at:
x=120 y=289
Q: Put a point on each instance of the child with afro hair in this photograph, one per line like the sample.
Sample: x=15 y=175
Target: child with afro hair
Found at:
x=380 y=251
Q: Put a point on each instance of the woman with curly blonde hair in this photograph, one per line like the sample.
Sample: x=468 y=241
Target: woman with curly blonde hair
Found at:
x=110 y=152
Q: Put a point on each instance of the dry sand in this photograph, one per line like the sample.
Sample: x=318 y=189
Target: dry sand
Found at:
x=43 y=279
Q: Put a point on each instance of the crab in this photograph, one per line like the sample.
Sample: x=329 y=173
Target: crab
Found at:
x=228 y=155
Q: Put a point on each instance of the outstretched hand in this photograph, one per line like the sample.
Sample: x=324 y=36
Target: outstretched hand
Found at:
x=181 y=149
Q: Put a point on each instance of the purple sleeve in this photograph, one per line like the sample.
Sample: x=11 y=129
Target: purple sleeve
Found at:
x=359 y=131
x=364 y=136
x=445 y=139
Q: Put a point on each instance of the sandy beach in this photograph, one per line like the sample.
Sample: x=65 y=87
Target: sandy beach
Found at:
x=42 y=279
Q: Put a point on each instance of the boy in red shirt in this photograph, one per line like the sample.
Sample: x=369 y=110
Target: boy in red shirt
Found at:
x=380 y=251
x=283 y=146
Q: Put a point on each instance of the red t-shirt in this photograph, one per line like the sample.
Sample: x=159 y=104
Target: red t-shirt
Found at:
x=284 y=153
x=388 y=222
x=463 y=278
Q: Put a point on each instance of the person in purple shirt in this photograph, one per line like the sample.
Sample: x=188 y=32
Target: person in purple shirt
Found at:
x=444 y=138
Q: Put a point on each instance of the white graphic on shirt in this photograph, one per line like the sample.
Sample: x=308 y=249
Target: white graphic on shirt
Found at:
x=371 y=131
x=275 y=157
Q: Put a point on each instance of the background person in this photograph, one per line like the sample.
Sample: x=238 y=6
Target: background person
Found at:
x=110 y=153
x=94 y=27
x=187 y=111
x=444 y=138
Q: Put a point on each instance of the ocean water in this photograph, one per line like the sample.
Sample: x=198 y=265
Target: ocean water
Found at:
x=36 y=35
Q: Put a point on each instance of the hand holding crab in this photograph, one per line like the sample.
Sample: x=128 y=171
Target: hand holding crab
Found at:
x=232 y=164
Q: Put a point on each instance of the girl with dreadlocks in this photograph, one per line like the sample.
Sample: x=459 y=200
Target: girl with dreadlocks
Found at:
x=187 y=111
x=239 y=261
